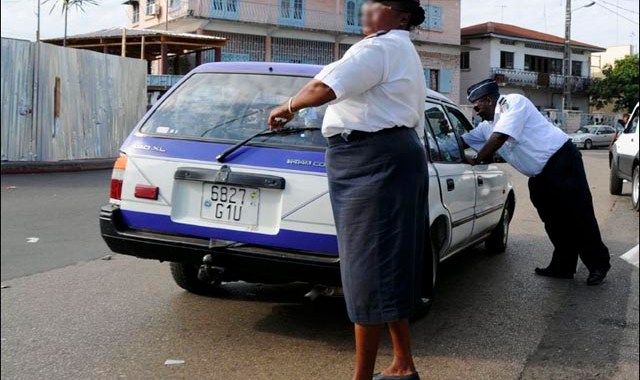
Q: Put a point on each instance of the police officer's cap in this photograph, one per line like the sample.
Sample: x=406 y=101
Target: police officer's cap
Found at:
x=482 y=89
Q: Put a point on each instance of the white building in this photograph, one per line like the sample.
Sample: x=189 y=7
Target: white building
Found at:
x=527 y=62
x=608 y=57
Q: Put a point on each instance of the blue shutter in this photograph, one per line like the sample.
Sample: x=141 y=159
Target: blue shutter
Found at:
x=227 y=9
x=291 y=12
x=445 y=81
x=427 y=76
x=432 y=17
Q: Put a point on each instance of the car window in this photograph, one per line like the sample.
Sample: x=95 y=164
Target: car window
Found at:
x=460 y=122
x=432 y=145
x=443 y=134
x=633 y=124
x=231 y=107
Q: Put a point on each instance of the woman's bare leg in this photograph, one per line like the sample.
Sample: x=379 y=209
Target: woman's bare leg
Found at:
x=402 y=359
x=367 y=341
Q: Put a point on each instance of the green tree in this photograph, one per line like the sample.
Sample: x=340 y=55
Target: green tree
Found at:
x=619 y=85
x=65 y=5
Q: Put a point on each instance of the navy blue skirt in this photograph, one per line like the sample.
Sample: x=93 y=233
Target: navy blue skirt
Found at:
x=378 y=188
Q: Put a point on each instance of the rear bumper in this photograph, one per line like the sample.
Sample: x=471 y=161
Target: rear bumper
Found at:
x=247 y=263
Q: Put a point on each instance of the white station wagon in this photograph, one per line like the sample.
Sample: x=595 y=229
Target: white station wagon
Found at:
x=201 y=177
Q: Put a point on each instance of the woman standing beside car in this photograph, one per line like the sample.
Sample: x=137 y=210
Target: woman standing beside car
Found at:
x=377 y=171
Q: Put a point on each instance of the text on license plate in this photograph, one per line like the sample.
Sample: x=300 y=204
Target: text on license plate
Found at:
x=230 y=204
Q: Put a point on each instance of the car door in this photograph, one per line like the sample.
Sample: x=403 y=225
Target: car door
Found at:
x=606 y=133
x=627 y=146
x=457 y=179
x=489 y=180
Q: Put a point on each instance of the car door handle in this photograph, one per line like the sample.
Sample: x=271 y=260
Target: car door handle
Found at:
x=450 y=184
x=480 y=181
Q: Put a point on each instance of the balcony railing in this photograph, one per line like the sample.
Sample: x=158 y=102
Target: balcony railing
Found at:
x=535 y=79
x=259 y=13
x=163 y=81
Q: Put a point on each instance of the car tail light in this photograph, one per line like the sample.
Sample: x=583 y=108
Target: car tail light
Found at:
x=146 y=192
x=117 y=178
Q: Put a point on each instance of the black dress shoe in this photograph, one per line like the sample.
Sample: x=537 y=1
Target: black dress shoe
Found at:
x=550 y=272
x=597 y=276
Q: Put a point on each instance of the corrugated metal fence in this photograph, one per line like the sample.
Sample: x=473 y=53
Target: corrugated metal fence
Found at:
x=86 y=102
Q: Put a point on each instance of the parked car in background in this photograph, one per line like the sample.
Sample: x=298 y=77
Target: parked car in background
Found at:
x=623 y=160
x=591 y=136
x=200 y=177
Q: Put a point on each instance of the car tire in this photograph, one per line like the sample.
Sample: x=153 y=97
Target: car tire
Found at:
x=615 y=182
x=429 y=279
x=588 y=144
x=635 y=187
x=497 y=242
x=186 y=276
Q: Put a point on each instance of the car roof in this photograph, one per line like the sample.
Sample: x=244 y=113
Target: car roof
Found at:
x=278 y=68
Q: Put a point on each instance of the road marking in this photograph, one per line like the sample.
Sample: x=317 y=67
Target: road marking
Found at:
x=32 y=239
x=631 y=256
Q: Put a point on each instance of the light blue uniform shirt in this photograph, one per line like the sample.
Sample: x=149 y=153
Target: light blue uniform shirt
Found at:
x=532 y=138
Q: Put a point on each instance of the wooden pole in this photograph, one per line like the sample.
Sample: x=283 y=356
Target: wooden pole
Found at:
x=218 y=54
x=142 y=48
x=123 y=51
x=164 y=65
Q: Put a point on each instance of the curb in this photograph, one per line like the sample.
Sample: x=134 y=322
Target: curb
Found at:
x=30 y=167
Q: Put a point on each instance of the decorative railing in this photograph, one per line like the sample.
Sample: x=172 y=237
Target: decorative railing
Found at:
x=163 y=81
x=536 y=79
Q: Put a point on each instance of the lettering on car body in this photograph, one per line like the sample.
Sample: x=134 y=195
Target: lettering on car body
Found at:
x=294 y=161
x=149 y=147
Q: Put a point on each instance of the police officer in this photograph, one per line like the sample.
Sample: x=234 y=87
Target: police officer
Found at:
x=513 y=128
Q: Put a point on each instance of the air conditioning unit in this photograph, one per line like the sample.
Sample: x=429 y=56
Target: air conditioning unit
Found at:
x=153 y=9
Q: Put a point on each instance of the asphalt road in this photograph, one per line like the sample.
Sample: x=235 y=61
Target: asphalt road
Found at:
x=68 y=316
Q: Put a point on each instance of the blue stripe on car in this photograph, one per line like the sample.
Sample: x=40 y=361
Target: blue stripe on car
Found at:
x=287 y=239
x=310 y=161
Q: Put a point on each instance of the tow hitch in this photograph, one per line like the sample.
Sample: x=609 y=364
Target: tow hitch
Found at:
x=209 y=273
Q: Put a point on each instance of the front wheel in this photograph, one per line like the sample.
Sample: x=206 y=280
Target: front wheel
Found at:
x=497 y=241
x=635 y=187
x=588 y=144
x=615 y=182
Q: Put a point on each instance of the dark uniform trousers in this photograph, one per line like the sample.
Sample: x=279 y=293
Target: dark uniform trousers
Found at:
x=562 y=197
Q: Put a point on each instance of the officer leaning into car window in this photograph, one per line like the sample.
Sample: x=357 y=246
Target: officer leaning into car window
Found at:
x=513 y=128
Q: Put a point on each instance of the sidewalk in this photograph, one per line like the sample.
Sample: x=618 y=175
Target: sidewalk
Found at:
x=25 y=167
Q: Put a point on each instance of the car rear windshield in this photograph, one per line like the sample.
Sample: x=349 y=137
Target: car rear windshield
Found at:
x=229 y=107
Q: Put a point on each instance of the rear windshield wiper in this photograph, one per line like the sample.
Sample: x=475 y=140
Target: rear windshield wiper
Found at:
x=284 y=131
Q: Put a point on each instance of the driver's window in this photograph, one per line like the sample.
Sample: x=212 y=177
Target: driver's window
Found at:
x=633 y=125
x=443 y=135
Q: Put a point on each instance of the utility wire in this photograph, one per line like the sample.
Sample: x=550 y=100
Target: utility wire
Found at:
x=618 y=14
x=619 y=7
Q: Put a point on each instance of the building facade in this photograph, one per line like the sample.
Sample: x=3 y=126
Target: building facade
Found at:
x=608 y=57
x=527 y=62
x=303 y=31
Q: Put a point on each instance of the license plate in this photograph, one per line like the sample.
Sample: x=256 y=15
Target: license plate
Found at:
x=230 y=204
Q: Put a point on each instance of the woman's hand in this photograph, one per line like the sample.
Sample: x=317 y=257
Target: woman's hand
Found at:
x=280 y=116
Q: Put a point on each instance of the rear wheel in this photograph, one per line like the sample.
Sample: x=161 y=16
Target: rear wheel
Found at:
x=635 y=187
x=615 y=182
x=588 y=144
x=186 y=276
x=497 y=241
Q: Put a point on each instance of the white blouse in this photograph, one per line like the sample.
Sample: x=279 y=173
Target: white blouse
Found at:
x=379 y=83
